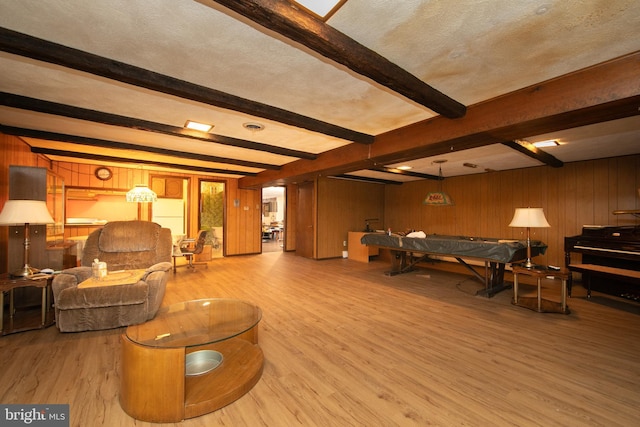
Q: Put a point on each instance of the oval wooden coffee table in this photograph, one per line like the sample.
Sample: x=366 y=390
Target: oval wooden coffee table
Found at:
x=164 y=377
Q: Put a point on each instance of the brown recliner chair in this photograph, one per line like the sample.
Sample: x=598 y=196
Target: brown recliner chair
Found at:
x=123 y=245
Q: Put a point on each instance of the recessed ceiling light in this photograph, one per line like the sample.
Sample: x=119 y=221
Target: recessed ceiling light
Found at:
x=547 y=143
x=253 y=127
x=198 y=126
x=323 y=9
x=404 y=168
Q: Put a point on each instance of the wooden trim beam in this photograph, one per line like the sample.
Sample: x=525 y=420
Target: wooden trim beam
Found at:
x=367 y=179
x=54 y=108
x=103 y=158
x=54 y=53
x=406 y=173
x=286 y=19
x=601 y=93
x=534 y=152
x=102 y=143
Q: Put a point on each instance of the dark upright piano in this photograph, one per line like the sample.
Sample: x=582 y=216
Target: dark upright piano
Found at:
x=610 y=259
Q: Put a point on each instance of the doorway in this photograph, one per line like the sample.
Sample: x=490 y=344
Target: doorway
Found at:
x=273 y=219
x=211 y=216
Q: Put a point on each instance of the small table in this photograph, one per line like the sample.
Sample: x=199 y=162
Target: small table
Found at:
x=8 y=284
x=159 y=382
x=539 y=304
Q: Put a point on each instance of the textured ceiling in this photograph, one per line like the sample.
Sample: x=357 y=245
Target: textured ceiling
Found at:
x=470 y=50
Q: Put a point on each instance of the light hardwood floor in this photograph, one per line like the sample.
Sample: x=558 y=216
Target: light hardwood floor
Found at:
x=346 y=345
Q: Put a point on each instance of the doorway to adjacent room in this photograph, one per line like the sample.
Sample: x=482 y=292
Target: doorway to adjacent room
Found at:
x=273 y=219
x=211 y=215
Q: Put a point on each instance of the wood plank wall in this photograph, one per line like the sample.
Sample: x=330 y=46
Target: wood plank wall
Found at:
x=343 y=206
x=291 y=197
x=579 y=193
x=13 y=151
x=244 y=220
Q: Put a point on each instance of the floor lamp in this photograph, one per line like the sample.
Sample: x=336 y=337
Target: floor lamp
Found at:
x=529 y=217
x=25 y=212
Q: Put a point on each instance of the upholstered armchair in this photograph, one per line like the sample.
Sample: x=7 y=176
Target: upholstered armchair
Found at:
x=123 y=245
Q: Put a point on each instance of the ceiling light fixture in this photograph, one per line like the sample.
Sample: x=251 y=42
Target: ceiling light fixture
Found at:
x=547 y=143
x=404 y=168
x=253 y=127
x=202 y=127
x=322 y=9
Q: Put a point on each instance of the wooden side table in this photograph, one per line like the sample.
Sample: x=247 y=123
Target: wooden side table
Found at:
x=539 y=304
x=358 y=251
x=8 y=284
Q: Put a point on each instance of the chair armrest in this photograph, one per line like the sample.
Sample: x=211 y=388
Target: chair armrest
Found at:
x=156 y=274
x=70 y=278
x=161 y=266
x=156 y=279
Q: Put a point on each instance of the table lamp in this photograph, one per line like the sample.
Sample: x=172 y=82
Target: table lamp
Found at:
x=529 y=217
x=19 y=212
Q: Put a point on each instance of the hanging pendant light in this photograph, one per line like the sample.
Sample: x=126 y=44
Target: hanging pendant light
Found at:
x=438 y=198
x=141 y=193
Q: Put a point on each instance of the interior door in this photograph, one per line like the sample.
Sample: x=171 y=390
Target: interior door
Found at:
x=305 y=223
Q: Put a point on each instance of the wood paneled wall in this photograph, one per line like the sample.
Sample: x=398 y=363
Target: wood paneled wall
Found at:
x=343 y=206
x=244 y=220
x=577 y=194
x=291 y=203
x=13 y=151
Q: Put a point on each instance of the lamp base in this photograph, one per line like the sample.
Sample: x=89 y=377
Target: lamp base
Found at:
x=529 y=264
x=25 y=271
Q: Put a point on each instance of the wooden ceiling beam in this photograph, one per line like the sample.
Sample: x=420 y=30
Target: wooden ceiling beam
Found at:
x=54 y=53
x=597 y=94
x=367 y=179
x=397 y=171
x=102 y=143
x=534 y=152
x=601 y=93
x=115 y=159
x=63 y=110
x=285 y=18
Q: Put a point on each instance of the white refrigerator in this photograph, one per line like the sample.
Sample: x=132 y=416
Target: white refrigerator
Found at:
x=169 y=213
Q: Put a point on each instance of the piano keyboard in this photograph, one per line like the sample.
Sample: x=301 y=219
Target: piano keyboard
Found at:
x=617 y=251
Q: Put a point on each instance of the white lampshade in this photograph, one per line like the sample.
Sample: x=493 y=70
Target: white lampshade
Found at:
x=529 y=217
x=21 y=212
x=141 y=193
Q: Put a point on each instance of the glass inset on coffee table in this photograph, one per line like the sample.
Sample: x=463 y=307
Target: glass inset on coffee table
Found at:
x=193 y=358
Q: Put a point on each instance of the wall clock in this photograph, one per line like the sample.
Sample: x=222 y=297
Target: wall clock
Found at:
x=103 y=173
